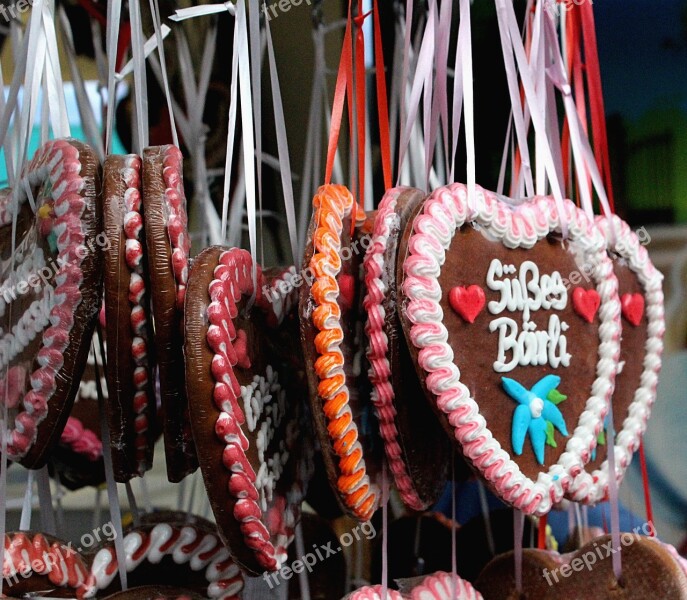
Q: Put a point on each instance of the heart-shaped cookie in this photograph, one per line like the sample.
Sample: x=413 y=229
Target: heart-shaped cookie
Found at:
x=444 y=586
x=168 y=246
x=523 y=389
x=35 y=562
x=179 y=554
x=641 y=346
x=334 y=347
x=373 y=592
x=245 y=385
x=131 y=404
x=50 y=292
x=648 y=571
x=405 y=420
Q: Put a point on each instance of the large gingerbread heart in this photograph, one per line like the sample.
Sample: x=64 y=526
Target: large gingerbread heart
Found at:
x=246 y=385
x=405 y=420
x=190 y=554
x=131 y=403
x=334 y=344
x=641 y=346
x=168 y=246
x=648 y=571
x=34 y=563
x=50 y=292
x=524 y=386
x=444 y=586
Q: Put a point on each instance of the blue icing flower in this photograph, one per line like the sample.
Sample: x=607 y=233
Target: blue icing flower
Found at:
x=533 y=412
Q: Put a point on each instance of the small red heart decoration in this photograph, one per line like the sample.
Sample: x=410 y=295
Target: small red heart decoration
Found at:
x=586 y=303
x=468 y=301
x=633 y=307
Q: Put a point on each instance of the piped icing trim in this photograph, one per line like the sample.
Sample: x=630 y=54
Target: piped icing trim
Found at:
x=386 y=224
x=591 y=488
x=373 y=593
x=138 y=322
x=186 y=545
x=333 y=204
x=443 y=213
x=242 y=406
x=174 y=203
x=440 y=586
x=58 y=162
x=81 y=440
x=27 y=554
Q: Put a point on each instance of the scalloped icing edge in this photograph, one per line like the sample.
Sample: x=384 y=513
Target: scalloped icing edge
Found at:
x=383 y=395
x=590 y=488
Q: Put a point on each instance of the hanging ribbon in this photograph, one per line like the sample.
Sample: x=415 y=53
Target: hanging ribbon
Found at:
x=114 y=15
x=382 y=106
x=518 y=527
x=282 y=147
x=140 y=81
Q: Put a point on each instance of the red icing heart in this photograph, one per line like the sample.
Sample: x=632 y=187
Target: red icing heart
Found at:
x=468 y=301
x=586 y=303
x=633 y=307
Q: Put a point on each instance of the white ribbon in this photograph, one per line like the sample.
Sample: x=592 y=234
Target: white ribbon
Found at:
x=148 y=47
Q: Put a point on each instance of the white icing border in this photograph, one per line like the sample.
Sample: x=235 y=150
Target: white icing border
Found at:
x=591 y=488
x=445 y=211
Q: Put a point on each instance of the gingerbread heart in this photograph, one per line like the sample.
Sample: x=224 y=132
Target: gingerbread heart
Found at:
x=444 y=586
x=155 y=592
x=131 y=403
x=373 y=592
x=77 y=460
x=35 y=562
x=419 y=469
x=168 y=246
x=334 y=344
x=246 y=381
x=641 y=346
x=648 y=571
x=50 y=292
x=180 y=554
x=523 y=389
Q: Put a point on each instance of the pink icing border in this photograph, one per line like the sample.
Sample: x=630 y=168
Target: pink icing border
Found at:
x=177 y=219
x=445 y=211
x=81 y=440
x=439 y=586
x=132 y=225
x=373 y=592
x=58 y=161
x=591 y=488
x=232 y=279
x=380 y=368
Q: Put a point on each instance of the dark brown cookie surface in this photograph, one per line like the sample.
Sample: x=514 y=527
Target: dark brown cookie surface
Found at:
x=168 y=245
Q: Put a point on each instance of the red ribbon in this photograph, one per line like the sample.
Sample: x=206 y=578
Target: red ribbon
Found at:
x=382 y=105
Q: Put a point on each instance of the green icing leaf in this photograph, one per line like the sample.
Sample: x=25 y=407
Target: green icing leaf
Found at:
x=601 y=438
x=550 y=439
x=556 y=397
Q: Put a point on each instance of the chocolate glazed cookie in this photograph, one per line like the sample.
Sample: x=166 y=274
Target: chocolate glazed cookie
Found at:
x=334 y=346
x=245 y=385
x=50 y=293
x=405 y=418
x=164 y=205
x=130 y=361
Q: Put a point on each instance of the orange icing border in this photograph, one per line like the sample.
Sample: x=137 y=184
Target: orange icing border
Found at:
x=334 y=203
